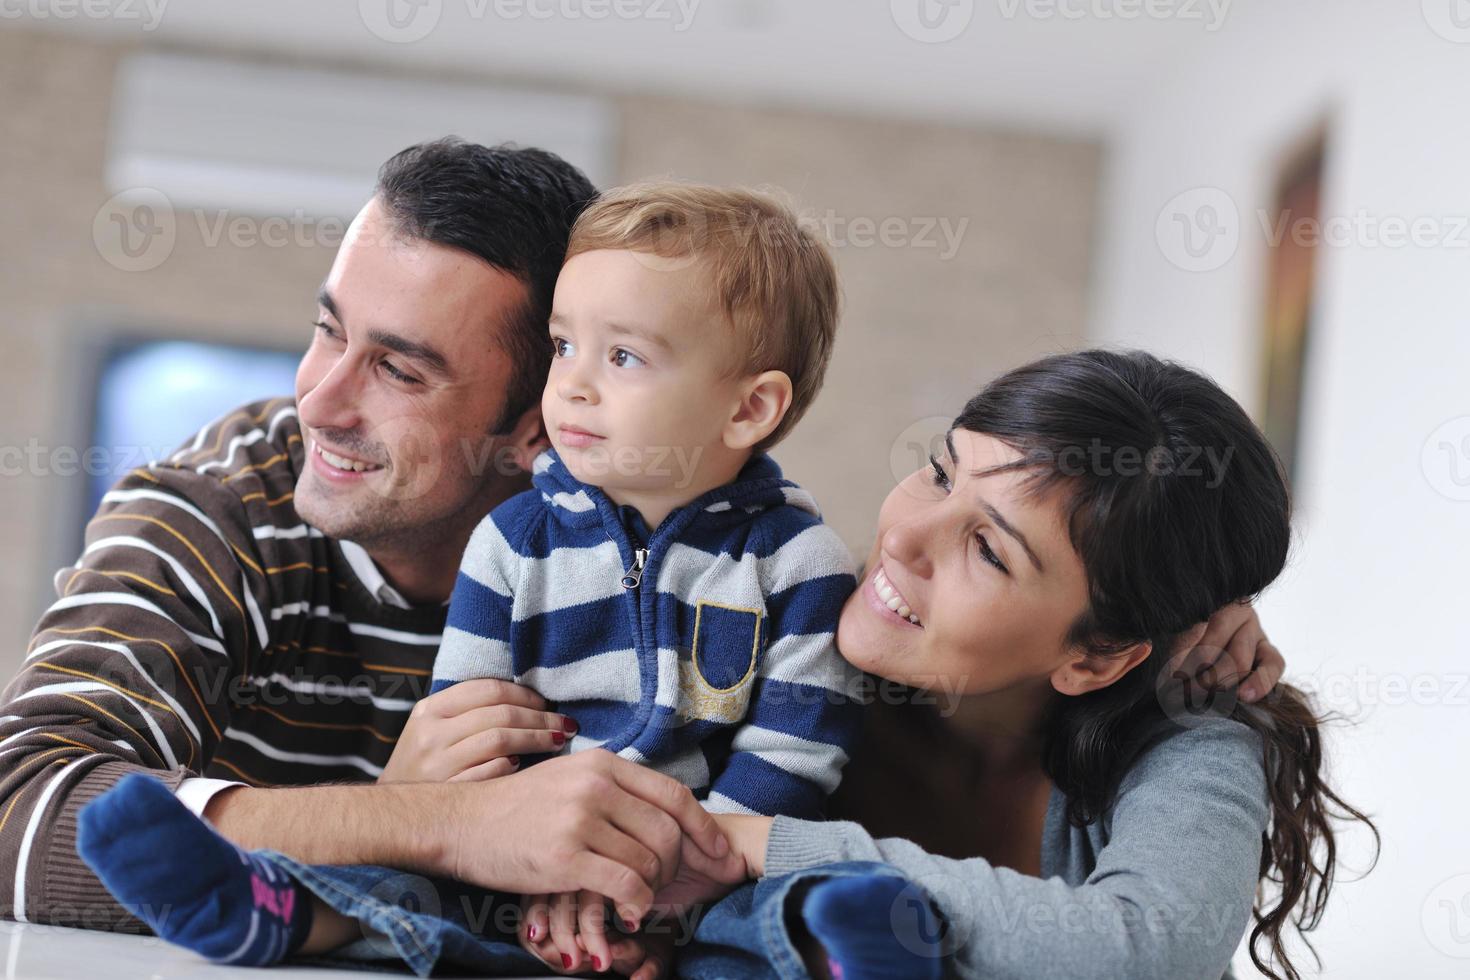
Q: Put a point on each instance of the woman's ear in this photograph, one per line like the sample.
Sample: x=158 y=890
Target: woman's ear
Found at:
x=527 y=439
x=764 y=401
x=1085 y=671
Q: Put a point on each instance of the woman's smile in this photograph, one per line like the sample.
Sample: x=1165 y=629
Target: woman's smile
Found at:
x=888 y=602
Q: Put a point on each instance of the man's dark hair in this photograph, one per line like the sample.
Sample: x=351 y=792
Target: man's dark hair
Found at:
x=510 y=206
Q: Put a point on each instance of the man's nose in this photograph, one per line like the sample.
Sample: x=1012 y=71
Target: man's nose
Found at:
x=332 y=403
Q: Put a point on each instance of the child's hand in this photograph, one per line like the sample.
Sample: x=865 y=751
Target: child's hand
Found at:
x=701 y=880
x=643 y=957
x=1229 y=651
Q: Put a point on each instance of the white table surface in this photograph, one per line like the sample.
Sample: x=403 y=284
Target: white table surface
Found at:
x=34 y=952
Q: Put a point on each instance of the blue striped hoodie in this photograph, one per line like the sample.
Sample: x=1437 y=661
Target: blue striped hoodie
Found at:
x=704 y=649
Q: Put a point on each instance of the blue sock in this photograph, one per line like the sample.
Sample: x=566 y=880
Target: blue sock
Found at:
x=193 y=887
x=874 y=926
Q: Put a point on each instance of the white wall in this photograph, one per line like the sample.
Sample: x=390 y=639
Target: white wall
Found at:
x=1371 y=610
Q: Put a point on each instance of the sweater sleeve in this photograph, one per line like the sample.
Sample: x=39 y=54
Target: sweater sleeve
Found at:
x=803 y=720
x=128 y=670
x=1169 y=898
x=476 y=640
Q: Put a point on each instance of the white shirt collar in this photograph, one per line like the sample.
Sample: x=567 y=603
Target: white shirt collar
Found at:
x=371 y=576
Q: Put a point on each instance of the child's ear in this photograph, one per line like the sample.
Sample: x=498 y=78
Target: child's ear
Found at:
x=527 y=438
x=763 y=404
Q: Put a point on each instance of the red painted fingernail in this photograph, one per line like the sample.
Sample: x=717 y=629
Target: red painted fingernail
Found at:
x=514 y=760
x=569 y=725
x=630 y=925
x=531 y=932
x=557 y=738
x=566 y=962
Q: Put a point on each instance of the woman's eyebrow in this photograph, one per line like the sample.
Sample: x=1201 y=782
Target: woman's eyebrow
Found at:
x=1013 y=531
x=995 y=515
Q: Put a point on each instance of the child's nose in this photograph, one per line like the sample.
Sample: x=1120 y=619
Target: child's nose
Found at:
x=575 y=387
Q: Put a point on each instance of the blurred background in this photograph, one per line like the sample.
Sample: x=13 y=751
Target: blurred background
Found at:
x=1277 y=193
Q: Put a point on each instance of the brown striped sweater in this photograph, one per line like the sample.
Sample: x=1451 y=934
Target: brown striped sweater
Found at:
x=205 y=630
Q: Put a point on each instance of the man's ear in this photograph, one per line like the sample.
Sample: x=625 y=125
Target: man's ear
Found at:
x=764 y=402
x=1085 y=671
x=527 y=439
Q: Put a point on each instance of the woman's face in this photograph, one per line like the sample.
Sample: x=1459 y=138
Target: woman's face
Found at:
x=988 y=573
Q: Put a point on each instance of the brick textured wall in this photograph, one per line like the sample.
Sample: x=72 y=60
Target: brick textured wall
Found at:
x=923 y=327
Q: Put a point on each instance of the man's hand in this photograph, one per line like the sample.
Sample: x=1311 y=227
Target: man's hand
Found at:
x=1230 y=650
x=477 y=729
x=590 y=821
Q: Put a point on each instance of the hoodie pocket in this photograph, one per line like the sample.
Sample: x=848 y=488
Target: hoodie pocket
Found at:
x=716 y=681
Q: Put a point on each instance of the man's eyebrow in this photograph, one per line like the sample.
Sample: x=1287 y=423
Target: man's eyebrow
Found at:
x=425 y=354
x=995 y=515
x=419 y=351
x=325 y=301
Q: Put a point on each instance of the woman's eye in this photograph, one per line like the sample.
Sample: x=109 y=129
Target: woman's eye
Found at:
x=625 y=358
x=988 y=555
x=562 y=348
x=938 y=477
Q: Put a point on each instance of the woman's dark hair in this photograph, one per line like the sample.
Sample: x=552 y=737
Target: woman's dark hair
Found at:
x=512 y=207
x=1177 y=506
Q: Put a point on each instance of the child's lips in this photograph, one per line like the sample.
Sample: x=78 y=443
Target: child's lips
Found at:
x=577 y=438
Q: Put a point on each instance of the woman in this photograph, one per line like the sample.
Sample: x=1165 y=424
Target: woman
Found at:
x=1087 y=510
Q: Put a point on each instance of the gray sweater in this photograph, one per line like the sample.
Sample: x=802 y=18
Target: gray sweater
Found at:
x=1160 y=888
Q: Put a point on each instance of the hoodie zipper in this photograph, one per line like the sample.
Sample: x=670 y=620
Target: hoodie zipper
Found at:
x=634 y=574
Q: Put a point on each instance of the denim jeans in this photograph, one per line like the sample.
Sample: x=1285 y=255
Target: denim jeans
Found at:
x=428 y=923
x=423 y=922
x=746 y=937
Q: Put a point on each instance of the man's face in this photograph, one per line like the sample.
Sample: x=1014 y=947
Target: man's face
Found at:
x=401 y=386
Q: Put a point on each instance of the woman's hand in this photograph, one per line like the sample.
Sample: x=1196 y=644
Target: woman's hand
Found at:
x=477 y=729
x=1230 y=650
x=566 y=929
x=561 y=928
x=568 y=932
x=639 y=957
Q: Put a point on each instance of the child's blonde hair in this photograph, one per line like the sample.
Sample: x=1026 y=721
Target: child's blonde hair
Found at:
x=772 y=277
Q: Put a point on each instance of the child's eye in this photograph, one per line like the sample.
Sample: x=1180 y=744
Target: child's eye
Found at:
x=626 y=358
x=562 y=348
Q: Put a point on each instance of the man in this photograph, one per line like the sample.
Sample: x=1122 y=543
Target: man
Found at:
x=261 y=609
